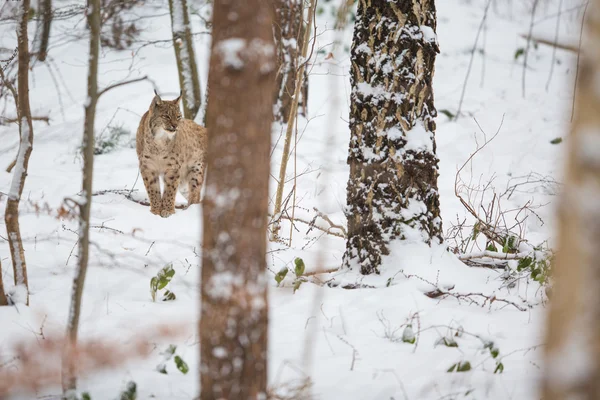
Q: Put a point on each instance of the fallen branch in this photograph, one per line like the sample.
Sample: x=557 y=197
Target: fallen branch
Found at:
x=495 y=255
x=44 y=118
x=439 y=293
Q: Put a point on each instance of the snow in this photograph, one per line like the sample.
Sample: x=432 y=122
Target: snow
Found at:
x=19 y=171
x=346 y=338
x=230 y=50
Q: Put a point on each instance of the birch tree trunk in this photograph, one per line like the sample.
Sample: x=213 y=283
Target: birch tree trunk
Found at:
x=11 y=215
x=69 y=377
x=183 y=43
x=42 y=36
x=289 y=31
x=392 y=189
x=234 y=316
x=572 y=365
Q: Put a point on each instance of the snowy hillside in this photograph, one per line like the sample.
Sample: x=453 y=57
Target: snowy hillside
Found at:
x=349 y=343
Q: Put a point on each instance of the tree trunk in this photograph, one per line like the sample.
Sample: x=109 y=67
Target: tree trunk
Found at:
x=392 y=189
x=573 y=332
x=42 y=37
x=69 y=378
x=11 y=216
x=3 y=299
x=289 y=31
x=234 y=316
x=183 y=43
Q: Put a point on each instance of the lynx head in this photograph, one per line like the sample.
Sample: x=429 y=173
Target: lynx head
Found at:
x=164 y=117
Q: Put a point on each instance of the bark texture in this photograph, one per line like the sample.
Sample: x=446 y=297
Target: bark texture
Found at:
x=392 y=189
x=11 y=215
x=69 y=378
x=572 y=369
x=183 y=43
x=42 y=38
x=289 y=31
x=3 y=299
x=234 y=316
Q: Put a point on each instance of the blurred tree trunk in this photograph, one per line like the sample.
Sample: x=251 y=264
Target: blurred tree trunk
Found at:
x=11 y=215
x=289 y=31
x=234 y=316
x=3 y=299
x=392 y=189
x=42 y=35
x=572 y=367
x=183 y=43
x=69 y=377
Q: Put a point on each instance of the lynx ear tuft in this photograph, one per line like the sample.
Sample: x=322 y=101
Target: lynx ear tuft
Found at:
x=157 y=101
x=179 y=98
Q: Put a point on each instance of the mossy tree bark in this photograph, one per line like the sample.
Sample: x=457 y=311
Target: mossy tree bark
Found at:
x=11 y=215
x=234 y=308
x=392 y=189
x=183 y=43
x=572 y=367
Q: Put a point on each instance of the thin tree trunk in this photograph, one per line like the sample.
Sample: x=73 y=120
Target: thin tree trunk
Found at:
x=293 y=112
x=392 y=189
x=289 y=31
x=69 y=377
x=183 y=43
x=234 y=316
x=42 y=37
x=573 y=332
x=3 y=299
x=11 y=216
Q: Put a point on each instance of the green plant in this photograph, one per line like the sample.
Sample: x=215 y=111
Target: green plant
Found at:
x=179 y=362
x=160 y=281
x=130 y=392
x=116 y=137
x=299 y=269
x=461 y=366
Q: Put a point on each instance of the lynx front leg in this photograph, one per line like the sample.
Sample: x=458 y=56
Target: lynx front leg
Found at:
x=195 y=183
x=172 y=177
x=150 y=177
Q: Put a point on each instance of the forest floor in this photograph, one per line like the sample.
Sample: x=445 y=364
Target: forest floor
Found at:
x=347 y=342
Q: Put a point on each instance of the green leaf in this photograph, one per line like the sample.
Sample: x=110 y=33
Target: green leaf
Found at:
x=280 y=276
x=524 y=263
x=558 y=140
x=494 y=351
x=165 y=275
x=169 y=351
x=499 y=368
x=299 y=268
x=153 y=287
x=130 y=392
x=169 y=296
x=447 y=113
x=476 y=230
x=408 y=335
x=492 y=247
x=297 y=284
x=181 y=365
x=86 y=396
x=520 y=51
x=463 y=366
x=162 y=368
x=448 y=341
x=452 y=368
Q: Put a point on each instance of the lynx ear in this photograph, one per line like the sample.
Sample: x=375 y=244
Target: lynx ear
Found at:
x=157 y=101
x=176 y=101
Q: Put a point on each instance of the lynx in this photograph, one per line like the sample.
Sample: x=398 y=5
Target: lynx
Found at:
x=174 y=149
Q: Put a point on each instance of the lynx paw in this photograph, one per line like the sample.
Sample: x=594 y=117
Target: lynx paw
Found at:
x=167 y=213
x=155 y=211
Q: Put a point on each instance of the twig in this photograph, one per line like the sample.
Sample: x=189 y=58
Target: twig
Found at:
x=535 y=3
x=578 y=58
x=556 y=33
x=110 y=87
x=464 y=89
x=488 y=299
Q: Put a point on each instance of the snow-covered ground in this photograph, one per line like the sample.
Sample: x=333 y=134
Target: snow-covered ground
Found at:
x=348 y=342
